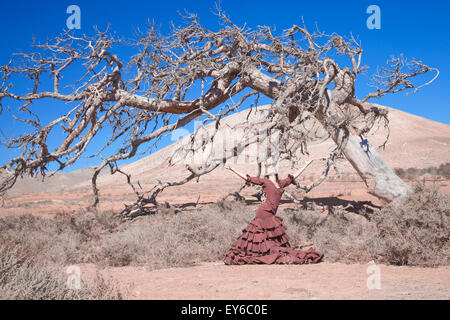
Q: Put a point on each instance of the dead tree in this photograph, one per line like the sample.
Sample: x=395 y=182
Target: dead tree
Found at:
x=141 y=98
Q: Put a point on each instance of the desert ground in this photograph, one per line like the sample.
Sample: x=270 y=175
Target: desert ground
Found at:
x=325 y=280
x=414 y=143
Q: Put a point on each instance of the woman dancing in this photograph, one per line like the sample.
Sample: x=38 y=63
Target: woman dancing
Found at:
x=264 y=240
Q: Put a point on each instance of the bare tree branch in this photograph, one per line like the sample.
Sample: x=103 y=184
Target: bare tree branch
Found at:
x=141 y=99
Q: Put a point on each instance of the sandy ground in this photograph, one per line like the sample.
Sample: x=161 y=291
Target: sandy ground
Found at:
x=321 y=281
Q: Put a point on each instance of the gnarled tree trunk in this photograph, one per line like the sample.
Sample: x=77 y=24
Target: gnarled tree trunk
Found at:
x=379 y=178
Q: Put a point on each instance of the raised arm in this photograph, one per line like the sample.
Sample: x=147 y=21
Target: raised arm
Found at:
x=247 y=178
x=299 y=172
x=291 y=178
x=243 y=176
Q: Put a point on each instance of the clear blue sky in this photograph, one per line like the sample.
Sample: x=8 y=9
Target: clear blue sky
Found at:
x=417 y=29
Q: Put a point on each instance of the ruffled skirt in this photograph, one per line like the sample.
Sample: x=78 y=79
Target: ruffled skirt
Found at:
x=264 y=241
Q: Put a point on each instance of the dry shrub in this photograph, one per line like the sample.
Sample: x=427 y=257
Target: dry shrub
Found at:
x=417 y=231
x=184 y=239
x=23 y=279
x=34 y=252
x=340 y=237
x=413 y=173
x=161 y=240
x=413 y=232
x=63 y=239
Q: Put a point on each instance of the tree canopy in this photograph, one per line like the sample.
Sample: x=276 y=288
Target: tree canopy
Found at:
x=173 y=79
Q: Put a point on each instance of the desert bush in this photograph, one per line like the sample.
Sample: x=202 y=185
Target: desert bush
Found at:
x=181 y=239
x=419 y=229
x=413 y=173
x=341 y=238
x=160 y=240
x=24 y=279
x=412 y=232
x=62 y=239
x=416 y=231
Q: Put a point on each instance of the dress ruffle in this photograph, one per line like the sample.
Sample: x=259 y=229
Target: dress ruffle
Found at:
x=264 y=241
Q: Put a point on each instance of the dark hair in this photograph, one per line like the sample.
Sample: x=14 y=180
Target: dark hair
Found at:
x=277 y=178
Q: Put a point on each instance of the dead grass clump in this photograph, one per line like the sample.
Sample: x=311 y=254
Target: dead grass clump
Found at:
x=160 y=240
x=340 y=237
x=24 y=279
x=413 y=173
x=184 y=239
x=414 y=232
x=417 y=231
x=63 y=239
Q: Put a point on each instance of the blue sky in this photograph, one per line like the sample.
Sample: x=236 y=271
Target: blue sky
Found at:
x=416 y=29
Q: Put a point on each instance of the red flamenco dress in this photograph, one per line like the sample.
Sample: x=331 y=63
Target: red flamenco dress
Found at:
x=264 y=240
